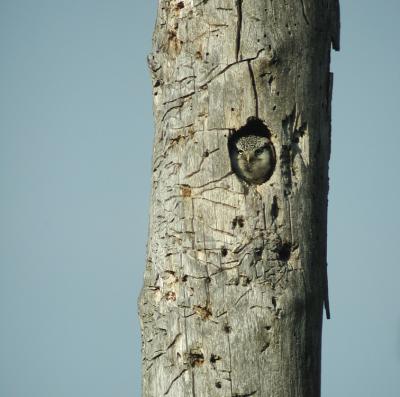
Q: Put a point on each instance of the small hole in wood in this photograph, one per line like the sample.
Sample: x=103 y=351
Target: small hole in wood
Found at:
x=284 y=252
x=238 y=221
x=196 y=358
x=214 y=358
x=274 y=208
x=227 y=328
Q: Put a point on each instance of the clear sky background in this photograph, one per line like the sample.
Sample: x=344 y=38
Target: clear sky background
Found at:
x=76 y=133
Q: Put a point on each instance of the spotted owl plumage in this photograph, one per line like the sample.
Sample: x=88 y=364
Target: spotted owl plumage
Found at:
x=253 y=158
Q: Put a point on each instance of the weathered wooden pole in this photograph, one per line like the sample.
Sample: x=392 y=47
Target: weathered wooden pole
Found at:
x=236 y=270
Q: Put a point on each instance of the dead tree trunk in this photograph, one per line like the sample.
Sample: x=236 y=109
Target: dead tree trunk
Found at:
x=236 y=271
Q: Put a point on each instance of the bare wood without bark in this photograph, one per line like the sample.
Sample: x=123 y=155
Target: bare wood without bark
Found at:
x=236 y=274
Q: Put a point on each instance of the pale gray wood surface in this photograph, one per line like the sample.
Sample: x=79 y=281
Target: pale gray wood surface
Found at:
x=236 y=275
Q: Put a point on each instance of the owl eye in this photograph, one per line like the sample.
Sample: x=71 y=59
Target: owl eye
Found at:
x=240 y=151
x=259 y=151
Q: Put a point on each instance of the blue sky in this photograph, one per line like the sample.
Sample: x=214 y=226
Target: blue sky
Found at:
x=76 y=133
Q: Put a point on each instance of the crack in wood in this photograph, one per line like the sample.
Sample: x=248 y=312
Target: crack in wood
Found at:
x=157 y=355
x=201 y=163
x=230 y=362
x=204 y=85
x=220 y=231
x=239 y=28
x=200 y=3
x=174 y=380
x=303 y=7
x=180 y=97
x=253 y=84
x=216 y=202
x=174 y=341
x=242 y=296
x=245 y=395
x=214 y=181
x=170 y=110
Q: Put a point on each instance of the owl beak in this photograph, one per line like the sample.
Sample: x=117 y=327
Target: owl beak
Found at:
x=248 y=157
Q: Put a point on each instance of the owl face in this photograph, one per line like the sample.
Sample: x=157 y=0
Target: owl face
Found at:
x=252 y=158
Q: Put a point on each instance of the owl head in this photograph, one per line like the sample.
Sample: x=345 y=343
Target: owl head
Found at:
x=252 y=157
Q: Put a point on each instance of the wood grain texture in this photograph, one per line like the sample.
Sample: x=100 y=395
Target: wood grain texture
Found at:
x=235 y=278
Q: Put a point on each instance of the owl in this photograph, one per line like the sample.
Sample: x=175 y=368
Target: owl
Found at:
x=252 y=158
